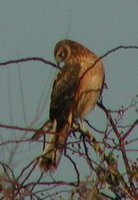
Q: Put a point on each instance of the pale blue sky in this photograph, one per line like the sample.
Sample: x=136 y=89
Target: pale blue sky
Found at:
x=32 y=28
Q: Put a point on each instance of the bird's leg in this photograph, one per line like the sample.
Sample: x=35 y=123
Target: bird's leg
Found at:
x=79 y=125
x=82 y=126
x=86 y=133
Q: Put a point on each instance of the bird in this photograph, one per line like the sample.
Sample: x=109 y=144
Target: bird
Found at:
x=75 y=92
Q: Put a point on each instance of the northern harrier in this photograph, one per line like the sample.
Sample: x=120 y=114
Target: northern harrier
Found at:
x=75 y=92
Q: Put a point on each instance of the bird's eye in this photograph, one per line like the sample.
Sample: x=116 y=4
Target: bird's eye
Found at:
x=61 y=55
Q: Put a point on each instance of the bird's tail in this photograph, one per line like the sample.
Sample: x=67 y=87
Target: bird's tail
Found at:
x=53 y=149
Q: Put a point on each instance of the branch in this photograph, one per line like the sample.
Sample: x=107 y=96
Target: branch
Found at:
x=121 y=145
x=16 y=61
x=75 y=167
x=130 y=129
x=106 y=54
x=17 y=128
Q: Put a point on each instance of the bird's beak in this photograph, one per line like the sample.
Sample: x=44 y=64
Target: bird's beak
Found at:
x=60 y=63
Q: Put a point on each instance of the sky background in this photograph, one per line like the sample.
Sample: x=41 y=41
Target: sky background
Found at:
x=32 y=28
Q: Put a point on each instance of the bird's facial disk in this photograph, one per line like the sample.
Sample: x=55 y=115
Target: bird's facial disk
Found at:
x=62 y=54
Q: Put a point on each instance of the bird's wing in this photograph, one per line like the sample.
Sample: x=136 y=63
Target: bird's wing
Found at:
x=62 y=102
x=62 y=97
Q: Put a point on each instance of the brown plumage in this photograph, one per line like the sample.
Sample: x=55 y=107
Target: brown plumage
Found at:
x=75 y=92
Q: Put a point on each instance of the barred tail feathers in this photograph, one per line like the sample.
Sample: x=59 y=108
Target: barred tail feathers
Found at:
x=53 y=150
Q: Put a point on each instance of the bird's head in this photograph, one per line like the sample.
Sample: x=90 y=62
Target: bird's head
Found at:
x=62 y=52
